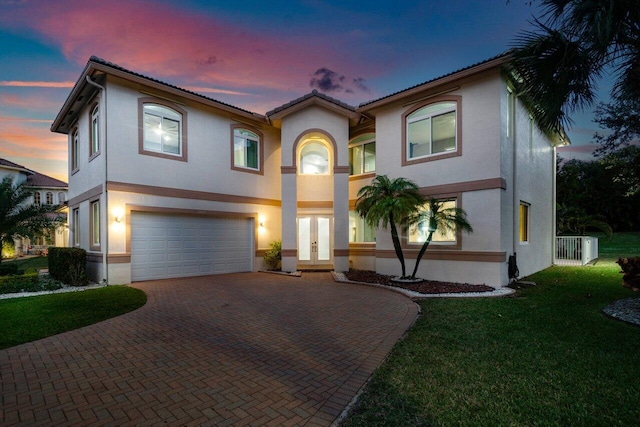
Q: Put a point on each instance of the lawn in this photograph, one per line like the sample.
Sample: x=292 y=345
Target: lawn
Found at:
x=29 y=265
x=547 y=356
x=31 y=318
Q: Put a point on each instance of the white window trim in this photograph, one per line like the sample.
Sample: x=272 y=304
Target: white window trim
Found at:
x=94 y=131
x=371 y=140
x=528 y=224
x=95 y=224
x=235 y=129
x=76 y=226
x=180 y=113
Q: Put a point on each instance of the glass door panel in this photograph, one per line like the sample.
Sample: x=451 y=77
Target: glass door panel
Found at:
x=304 y=239
x=323 y=235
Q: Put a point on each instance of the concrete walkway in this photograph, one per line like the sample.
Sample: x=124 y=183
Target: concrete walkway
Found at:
x=237 y=349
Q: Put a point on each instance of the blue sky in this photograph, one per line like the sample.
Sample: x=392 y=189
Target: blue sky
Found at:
x=256 y=55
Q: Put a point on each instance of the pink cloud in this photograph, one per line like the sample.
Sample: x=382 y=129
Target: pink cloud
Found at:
x=32 y=102
x=29 y=141
x=156 y=39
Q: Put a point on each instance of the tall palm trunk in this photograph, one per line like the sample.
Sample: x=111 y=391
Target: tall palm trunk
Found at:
x=423 y=249
x=396 y=244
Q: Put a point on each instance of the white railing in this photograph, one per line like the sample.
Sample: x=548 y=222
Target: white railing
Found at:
x=575 y=250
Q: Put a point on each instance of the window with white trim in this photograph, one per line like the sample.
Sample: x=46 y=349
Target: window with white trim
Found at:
x=75 y=215
x=36 y=198
x=74 y=150
x=524 y=222
x=162 y=130
x=246 y=149
x=362 y=154
x=61 y=197
x=431 y=130
x=95 y=224
x=418 y=233
x=49 y=198
x=94 y=144
x=359 y=230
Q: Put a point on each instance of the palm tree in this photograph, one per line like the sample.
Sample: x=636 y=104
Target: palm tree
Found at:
x=438 y=218
x=389 y=203
x=19 y=217
x=556 y=66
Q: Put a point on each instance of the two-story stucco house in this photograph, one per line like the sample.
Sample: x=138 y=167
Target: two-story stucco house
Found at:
x=45 y=190
x=165 y=182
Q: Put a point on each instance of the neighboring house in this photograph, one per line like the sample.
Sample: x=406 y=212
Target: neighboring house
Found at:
x=165 y=182
x=46 y=190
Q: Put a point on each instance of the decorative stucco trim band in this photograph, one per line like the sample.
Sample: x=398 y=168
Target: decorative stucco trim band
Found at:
x=83 y=197
x=119 y=258
x=289 y=252
x=447 y=255
x=189 y=194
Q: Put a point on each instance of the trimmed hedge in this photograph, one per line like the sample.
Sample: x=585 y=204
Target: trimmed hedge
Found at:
x=14 y=284
x=68 y=265
x=9 y=269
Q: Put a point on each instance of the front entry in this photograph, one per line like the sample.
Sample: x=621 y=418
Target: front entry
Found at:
x=314 y=241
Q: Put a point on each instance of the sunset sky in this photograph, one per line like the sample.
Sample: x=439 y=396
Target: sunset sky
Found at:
x=255 y=55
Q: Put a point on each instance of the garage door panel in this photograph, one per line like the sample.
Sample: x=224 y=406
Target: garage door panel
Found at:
x=165 y=246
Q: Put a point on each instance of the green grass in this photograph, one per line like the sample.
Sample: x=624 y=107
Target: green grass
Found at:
x=30 y=318
x=547 y=356
x=30 y=264
x=619 y=245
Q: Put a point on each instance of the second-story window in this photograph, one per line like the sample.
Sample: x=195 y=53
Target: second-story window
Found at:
x=161 y=129
x=95 y=132
x=246 y=149
x=362 y=154
x=431 y=130
x=75 y=145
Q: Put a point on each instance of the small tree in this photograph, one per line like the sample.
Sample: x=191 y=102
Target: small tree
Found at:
x=389 y=203
x=19 y=217
x=438 y=218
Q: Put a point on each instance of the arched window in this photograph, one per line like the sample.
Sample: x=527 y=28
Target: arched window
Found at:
x=36 y=198
x=314 y=159
x=161 y=129
x=247 y=147
x=61 y=197
x=49 y=197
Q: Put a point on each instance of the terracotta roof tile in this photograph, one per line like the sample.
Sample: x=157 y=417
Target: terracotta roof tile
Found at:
x=312 y=94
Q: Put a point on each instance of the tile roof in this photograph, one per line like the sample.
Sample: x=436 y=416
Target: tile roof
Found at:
x=133 y=73
x=5 y=162
x=313 y=93
x=41 y=180
x=502 y=55
x=35 y=179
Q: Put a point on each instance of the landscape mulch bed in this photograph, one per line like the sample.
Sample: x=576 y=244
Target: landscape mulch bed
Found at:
x=424 y=287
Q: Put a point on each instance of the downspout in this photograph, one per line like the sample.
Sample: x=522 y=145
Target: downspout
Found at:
x=105 y=252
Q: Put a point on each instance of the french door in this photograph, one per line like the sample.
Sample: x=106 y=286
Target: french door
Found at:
x=314 y=239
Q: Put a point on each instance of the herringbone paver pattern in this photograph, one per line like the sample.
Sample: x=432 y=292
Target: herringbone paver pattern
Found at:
x=239 y=349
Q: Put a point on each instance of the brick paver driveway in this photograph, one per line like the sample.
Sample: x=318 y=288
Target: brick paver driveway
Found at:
x=237 y=349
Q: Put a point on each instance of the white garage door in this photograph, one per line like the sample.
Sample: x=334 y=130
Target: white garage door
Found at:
x=165 y=246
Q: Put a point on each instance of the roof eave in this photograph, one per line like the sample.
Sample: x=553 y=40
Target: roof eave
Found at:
x=446 y=80
x=59 y=125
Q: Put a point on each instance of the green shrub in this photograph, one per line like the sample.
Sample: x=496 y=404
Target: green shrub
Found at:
x=68 y=265
x=273 y=257
x=24 y=283
x=631 y=270
x=9 y=269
